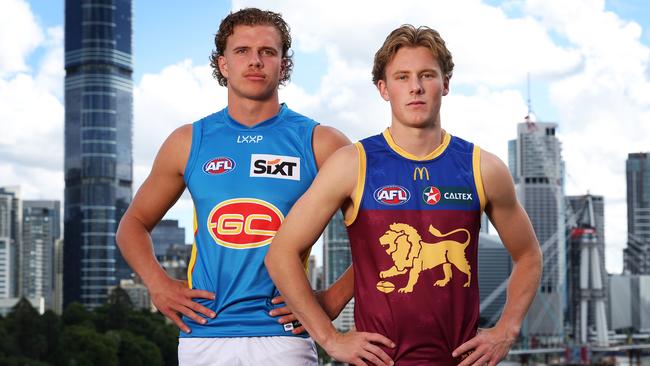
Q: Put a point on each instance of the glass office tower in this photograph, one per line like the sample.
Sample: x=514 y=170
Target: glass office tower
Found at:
x=98 y=144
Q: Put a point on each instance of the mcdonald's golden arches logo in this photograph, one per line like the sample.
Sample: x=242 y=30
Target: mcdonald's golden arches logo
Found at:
x=421 y=172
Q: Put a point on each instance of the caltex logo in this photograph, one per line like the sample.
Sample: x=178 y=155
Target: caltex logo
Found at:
x=431 y=195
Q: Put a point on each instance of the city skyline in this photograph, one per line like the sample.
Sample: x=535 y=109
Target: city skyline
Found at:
x=589 y=65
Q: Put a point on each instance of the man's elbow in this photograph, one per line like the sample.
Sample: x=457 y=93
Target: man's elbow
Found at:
x=127 y=227
x=120 y=234
x=269 y=260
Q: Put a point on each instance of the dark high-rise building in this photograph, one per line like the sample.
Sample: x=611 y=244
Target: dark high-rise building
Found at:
x=166 y=234
x=336 y=249
x=494 y=268
x=637 y=254
x=98 y=144
x=41 y=230
x=337 y=257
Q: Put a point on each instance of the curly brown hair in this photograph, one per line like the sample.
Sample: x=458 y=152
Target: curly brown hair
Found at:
x=409 y=36
x=251 y=17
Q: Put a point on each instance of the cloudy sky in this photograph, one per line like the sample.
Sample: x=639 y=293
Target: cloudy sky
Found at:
x=588 y=60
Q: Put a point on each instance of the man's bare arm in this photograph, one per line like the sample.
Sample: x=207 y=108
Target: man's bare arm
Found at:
x=333 y=186
x=325 y=141
x=158 y=193
x=515 y=230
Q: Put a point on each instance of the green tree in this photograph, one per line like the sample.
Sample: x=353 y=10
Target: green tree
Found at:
x=83 y=346
x=115 y=313
x=76 y=314
x=23 y=323
x=135 y=350
x=51 y=327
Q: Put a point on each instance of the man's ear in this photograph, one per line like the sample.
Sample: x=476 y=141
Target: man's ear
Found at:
x=283 y=68
x=445 y=85
x=223 y=66
x=383 y=90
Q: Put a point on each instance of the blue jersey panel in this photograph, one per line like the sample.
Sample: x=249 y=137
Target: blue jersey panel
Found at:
x=445 y=182
x=243 y=181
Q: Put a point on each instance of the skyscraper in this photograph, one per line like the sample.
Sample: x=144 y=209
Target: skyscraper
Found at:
x=337 y=258
x=494 y=268
x=336 y=249
x=637 y=254
x=537 y=169
x=98 y=144
x=11 y=223
x=166 y=234
x=41 y=230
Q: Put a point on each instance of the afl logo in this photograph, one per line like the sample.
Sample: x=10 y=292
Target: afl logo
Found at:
x=392 y=195
x=244 y=223
x=219 y=165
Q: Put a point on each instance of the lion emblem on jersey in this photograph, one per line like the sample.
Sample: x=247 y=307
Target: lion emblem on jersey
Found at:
x=410 y=254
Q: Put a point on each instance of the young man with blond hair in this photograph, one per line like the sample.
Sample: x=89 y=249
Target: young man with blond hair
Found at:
x=412 y=199
x=244 y=166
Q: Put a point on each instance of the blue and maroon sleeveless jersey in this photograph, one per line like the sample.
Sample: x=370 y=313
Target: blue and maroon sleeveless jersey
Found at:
x=414 y=241
x=243 y=181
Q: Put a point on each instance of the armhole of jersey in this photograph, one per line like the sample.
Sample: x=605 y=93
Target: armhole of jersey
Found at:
x=197 y=134
x=478 y=180
x=190 y=266
x=361 y=183
x=310 y=154
x=305 y=263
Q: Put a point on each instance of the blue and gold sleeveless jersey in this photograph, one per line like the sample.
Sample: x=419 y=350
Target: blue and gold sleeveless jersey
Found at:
x=243 y=181
x=414 y=242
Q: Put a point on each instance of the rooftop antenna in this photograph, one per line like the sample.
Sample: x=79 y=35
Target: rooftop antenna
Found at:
x=529 y=116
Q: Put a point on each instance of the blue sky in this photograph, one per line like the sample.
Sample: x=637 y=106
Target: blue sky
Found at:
x=589 y=64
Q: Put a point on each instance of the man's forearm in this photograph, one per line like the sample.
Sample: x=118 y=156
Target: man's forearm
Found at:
x=522 y=287
x=136 y=247
x=334 y=299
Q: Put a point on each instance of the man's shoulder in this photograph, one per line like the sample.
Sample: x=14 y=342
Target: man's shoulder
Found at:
x=291 y=116
x=212 y=117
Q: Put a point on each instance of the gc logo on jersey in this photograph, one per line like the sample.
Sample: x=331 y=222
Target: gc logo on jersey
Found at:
x=392 y=195
x=244 y=223
x=275 y=166
x=219 y=165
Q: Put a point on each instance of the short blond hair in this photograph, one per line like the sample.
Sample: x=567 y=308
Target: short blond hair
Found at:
x=409 y=36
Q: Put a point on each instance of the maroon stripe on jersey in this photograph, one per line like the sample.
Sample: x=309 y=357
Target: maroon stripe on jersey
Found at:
x=414 y=284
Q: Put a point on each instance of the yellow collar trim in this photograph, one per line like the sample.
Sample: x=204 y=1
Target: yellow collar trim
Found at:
x=432 y=155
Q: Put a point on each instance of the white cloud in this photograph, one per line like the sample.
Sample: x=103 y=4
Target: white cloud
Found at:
x=179 y=94
x=31 y=111
x=19 y=35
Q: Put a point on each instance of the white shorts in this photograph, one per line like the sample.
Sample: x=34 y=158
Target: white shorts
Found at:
x=244 y=351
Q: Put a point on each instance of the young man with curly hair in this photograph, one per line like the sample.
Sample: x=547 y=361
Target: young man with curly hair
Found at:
x=244 y=166
x=412 y=199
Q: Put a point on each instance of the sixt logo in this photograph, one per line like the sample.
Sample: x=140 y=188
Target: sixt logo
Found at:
x=219 y=165
x=275 y=166
x=244 y=223
x=392 y=195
